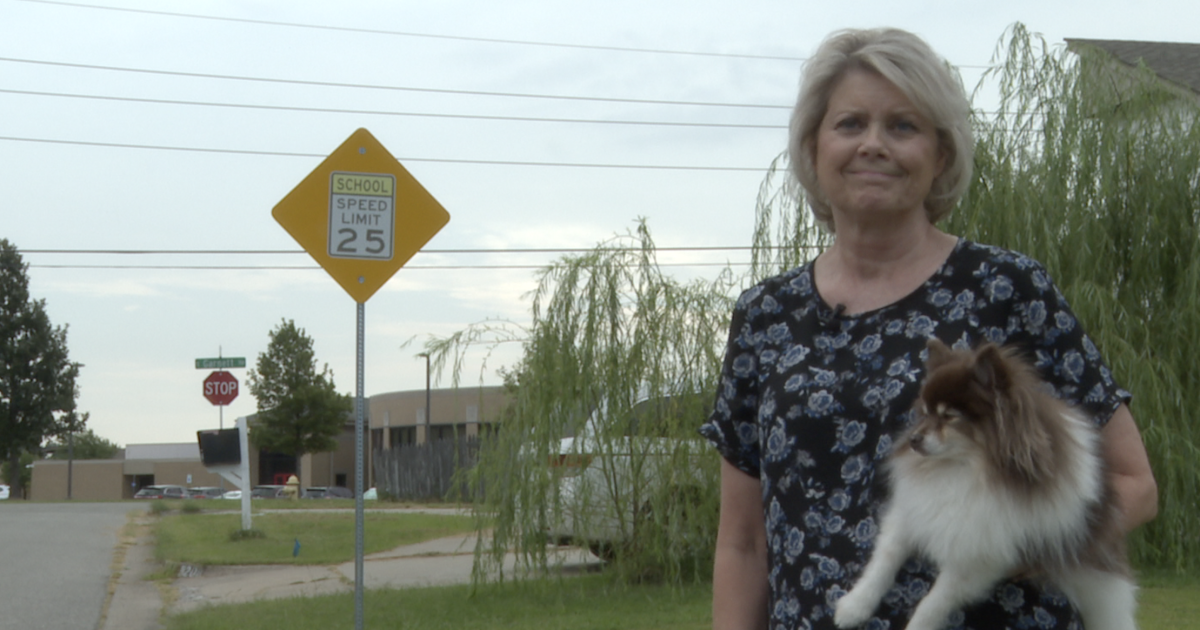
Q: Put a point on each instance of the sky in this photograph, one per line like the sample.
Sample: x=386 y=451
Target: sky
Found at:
x=173 y=129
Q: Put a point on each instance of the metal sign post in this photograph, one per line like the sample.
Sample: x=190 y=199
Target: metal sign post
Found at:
x=232 y=463
x=361 y=216
x=359 y=465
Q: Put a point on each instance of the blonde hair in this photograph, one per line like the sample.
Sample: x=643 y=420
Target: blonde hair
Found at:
x=907 y=62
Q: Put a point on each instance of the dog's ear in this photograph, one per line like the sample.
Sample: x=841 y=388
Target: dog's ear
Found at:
x=991 y=370
x=939 y=353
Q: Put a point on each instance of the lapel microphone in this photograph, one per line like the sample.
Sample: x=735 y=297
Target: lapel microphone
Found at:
x=828 y=317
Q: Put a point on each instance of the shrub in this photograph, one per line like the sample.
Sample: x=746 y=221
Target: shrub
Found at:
x=246 y=534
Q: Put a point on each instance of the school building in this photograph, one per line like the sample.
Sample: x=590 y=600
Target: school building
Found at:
x=393 y=419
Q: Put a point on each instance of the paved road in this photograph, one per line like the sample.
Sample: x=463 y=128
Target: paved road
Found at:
x=55 y=562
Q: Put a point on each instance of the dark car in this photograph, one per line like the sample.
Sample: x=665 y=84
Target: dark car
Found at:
x=161 y=492
x=330 y=492
x=205 y=492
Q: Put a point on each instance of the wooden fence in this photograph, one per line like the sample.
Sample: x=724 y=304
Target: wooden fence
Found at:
x=418 y=472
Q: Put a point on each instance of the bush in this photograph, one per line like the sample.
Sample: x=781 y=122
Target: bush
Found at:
x=246 y=534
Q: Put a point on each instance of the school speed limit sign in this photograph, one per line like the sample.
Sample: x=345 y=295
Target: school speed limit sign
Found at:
x=361 y=215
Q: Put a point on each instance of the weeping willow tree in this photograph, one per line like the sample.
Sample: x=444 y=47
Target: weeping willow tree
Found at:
x=1095 y=171
x=599 y=444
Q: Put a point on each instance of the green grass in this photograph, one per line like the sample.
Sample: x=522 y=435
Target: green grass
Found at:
x=1168 y=602
x=325 y=538
x=588 y=603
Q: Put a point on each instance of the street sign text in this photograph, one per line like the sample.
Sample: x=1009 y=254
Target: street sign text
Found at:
x=220 y=363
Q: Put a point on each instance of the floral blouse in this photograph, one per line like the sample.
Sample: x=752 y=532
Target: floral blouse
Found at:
x=810 y=400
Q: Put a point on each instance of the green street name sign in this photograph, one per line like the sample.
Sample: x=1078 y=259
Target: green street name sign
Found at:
x=220 y=363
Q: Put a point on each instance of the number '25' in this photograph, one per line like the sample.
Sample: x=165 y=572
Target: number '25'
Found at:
x=375 y=243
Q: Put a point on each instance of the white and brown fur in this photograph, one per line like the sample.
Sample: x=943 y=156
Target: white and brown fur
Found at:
x=997 y=478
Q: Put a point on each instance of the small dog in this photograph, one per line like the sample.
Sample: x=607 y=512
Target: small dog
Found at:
x=997 y=478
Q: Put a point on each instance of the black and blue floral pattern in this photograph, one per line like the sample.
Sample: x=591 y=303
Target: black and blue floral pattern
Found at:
x=810 y=399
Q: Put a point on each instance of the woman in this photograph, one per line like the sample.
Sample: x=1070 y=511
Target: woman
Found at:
x=825 y=361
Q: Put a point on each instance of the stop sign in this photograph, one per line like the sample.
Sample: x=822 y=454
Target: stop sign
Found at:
x=220 y=388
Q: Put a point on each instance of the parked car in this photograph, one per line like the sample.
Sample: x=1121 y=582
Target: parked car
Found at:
x=161 y=492
x=3 y=491
x=611 y=473
x=328 y=492
x=205 y=492
x=267 y=492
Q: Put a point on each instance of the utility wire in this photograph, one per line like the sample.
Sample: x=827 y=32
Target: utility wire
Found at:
x=543 y=250
x=658 y=167
x=324 y=110
x=518 y=250
x=316 y=267
x=367 y=86
x=488 y=40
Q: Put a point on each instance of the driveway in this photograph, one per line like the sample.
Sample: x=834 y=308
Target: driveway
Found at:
x=57 y=559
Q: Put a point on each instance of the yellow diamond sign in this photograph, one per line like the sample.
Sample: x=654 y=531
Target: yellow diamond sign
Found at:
x=361 y=215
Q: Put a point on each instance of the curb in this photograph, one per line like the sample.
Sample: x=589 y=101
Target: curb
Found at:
x=134 y=603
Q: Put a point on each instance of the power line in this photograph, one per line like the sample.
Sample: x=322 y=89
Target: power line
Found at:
x=516 y=250
x=367 y=86
x=325 y=110
x=488 y=40
x=316 y=267
x=653 y=167
x=271 y=252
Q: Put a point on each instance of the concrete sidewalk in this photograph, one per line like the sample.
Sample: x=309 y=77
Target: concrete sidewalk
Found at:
x=432 y=563
x=136 y=604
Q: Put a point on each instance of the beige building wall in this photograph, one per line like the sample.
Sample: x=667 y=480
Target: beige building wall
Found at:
x=399 y=417
x=179 y=472
x=112 y=479
x=326 y=469
x=91 y=480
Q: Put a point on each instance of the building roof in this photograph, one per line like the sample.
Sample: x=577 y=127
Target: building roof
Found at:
x=1175 y=62
x=181 y=450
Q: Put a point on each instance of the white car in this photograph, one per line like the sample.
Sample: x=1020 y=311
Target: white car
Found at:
x=3 y=491
x=613 y=474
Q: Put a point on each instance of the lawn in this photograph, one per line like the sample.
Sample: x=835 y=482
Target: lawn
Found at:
x=1167 y=601
x=324 y=537
x=586 y=603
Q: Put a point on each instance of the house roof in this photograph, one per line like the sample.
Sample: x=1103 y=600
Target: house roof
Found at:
x=1175 y=62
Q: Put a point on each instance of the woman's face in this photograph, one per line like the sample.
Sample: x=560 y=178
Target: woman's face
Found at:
x=876 y=155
